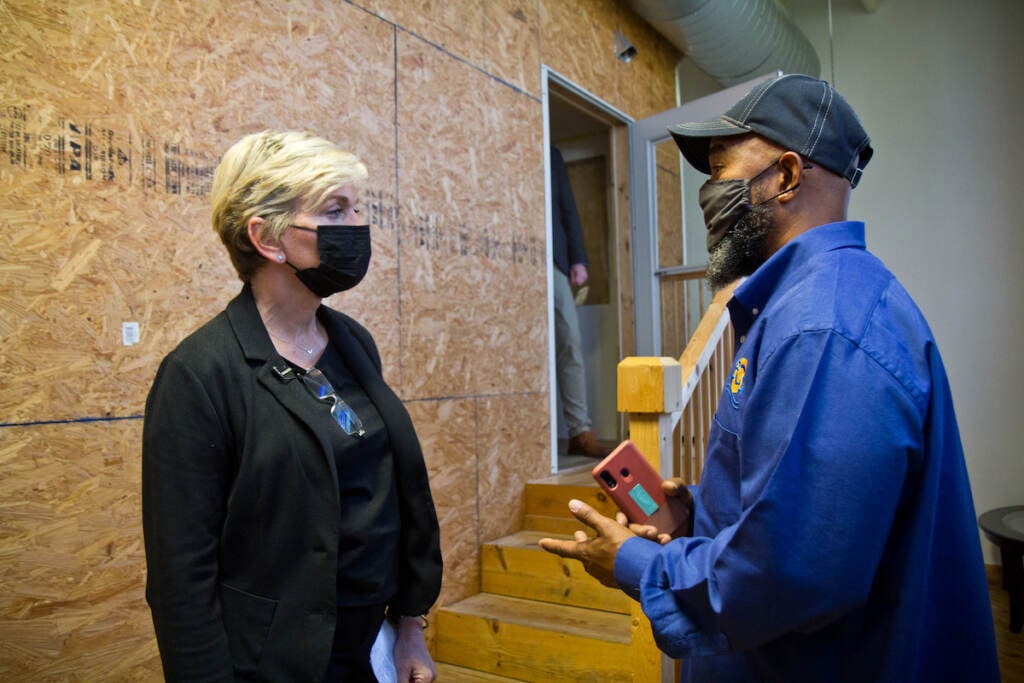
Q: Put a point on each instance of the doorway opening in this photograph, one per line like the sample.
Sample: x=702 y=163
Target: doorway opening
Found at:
x=593 y=140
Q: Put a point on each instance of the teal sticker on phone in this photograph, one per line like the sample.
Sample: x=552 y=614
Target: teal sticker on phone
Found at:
x=643 y=499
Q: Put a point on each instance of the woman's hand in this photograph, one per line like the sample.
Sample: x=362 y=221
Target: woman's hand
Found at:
x=412 y=660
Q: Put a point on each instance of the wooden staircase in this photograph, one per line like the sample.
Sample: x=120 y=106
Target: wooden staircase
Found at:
x=542 y=618
x=539 y=617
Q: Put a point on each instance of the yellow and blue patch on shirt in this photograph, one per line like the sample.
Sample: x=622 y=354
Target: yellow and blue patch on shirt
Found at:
x=739 y=373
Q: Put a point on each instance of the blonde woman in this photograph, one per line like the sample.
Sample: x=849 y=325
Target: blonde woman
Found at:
x=286 y=505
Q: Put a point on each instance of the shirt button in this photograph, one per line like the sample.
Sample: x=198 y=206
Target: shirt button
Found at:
x=743 y=339
x=755 y=311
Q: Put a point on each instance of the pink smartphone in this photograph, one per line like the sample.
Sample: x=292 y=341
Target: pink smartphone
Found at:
x=636 y=488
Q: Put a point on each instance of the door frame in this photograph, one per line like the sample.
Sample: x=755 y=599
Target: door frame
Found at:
x=548 y=76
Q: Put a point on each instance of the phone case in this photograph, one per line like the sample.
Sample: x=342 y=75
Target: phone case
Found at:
x=635 y=486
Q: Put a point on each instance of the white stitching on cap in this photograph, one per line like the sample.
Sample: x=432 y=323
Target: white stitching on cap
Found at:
x=753 y=102
x=819 y=121
x=710 y=125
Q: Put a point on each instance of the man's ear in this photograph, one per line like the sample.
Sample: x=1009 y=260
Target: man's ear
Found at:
x=792 y=166
x=268 y=247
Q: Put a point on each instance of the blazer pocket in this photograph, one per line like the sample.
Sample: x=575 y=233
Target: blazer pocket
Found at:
x=247 y=620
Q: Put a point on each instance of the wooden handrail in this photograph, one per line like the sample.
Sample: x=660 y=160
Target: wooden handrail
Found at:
x=705 y=365
x=670 y=403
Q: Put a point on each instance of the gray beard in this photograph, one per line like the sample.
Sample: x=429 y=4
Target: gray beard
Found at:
x=742 y=250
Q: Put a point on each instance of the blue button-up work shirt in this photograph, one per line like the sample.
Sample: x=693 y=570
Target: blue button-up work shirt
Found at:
x=834 y=530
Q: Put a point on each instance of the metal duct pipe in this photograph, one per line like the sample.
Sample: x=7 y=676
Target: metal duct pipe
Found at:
x=732 y=40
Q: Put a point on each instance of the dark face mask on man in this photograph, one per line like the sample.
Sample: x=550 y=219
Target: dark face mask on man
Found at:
x=725 y=202
x=344 y=258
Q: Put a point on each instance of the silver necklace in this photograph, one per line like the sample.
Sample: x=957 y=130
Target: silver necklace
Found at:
x=295 y=344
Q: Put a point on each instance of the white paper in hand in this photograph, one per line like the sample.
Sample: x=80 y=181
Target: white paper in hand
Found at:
x=382 y=654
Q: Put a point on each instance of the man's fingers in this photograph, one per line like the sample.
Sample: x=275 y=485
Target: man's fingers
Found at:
x=672 y=486
x=577 y=548
x=644 y=531
x=588 y=515
x=561 y=548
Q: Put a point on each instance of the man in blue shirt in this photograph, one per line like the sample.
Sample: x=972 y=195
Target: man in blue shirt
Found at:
x=834 y=535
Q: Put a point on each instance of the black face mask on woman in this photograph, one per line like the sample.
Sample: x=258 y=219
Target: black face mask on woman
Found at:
x=344 y=258
x=725 y=202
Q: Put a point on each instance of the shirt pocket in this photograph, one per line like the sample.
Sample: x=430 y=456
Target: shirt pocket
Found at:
x=720 y=480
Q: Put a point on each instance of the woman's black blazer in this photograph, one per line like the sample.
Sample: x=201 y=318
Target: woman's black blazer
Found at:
x=240 y=504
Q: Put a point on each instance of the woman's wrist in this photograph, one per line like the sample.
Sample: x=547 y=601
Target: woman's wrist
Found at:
x=407 y=621
x=418 y=623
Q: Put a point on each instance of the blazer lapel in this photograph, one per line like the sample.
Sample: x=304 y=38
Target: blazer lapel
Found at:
x=364 y=371
x=273 y=371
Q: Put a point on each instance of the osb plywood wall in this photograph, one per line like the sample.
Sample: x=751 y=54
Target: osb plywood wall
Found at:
x=113 y=114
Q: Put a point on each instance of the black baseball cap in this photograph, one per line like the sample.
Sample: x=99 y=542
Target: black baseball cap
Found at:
x=803 y=114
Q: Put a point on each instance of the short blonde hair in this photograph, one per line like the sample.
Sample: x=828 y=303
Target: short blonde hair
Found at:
x=274 y=175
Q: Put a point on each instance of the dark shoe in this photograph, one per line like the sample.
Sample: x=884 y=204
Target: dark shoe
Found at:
x=586 y=444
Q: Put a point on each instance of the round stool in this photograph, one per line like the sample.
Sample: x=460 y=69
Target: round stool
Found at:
x=1005 y=528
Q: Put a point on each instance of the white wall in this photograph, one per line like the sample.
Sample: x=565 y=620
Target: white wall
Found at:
x=939 y=86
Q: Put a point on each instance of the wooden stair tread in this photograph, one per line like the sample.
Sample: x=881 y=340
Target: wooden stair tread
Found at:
x=535 y=641
x=517 y=567
x=552 y=500
x=553 y=526
x=449 y=673
x=578 y=621
x=526 y=538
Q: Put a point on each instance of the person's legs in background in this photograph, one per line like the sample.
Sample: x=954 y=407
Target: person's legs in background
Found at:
x=572 y=383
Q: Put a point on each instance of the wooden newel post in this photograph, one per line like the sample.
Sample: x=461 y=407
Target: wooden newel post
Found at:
x=650 y=390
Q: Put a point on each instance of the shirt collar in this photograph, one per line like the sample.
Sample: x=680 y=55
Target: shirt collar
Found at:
x=751 y=297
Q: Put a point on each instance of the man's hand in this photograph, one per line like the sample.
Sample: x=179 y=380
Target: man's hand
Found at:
x=598 y=553
x=412 y=660
x=672 y=488
x=577 y=274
